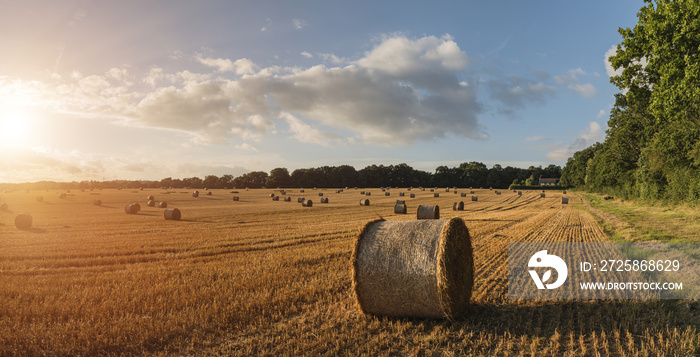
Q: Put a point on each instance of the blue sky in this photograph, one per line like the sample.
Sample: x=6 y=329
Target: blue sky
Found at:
x=152 y=89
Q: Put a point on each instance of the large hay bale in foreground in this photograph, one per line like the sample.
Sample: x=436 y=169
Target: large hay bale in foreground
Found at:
x=172 y=214
x=24 y=221
x=419 y=269
x=428 y=212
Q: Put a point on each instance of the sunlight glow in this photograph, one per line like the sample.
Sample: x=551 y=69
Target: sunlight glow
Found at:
x=15 y=127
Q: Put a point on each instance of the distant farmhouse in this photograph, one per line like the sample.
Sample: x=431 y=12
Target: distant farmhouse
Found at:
x=549 y=182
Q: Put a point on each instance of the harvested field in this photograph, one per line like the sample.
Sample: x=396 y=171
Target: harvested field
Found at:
x=263 y=277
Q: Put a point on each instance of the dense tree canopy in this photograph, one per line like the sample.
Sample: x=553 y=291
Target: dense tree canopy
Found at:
x=652 y=147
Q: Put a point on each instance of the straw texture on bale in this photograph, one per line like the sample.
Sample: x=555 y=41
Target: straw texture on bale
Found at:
x=163 y=205
x=97 y=202
x=458 y=206
x=24 y=221
x=307 y=203
x=428 y=212
x=421 y=269
x=400 y=208
x=364 y=202
x=172 y=214
x=324 y=199
x=565 y=200
x=151 y=203
x=132 y=208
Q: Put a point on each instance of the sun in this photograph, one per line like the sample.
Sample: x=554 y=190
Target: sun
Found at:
x=15 y=127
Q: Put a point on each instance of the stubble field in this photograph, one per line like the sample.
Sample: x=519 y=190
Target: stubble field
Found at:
x=263 y=277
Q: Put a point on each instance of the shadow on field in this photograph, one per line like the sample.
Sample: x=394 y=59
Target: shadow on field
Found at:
x=580 y=316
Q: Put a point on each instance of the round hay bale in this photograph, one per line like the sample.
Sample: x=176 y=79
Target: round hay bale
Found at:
x=3 y=206
x=302 y=190
x=97 y=202
x=428 y=212
x=400 y=208
x=300 y=199
x=400 y=202
x=24 y=221
x=520 y=193
x=542 y=195
x=307 y=203
x=272 y=195
x=236 y=198
x=287 y=199
x=458 y=206
x=132 y=208
x=62 y=195
x=436 y=194
x=432 y=190
x=362 y=192
x=475 y=198
x=401 y=194
x=324 y=200
x=565 y=200
x=320 y=194
x=208 y=193
x=368 y=193
x=150 y=198
x=162 y=205
x=195 y=194
x=364 y=202
x=463 y=194
x=276 y=198
x=151 y=203
x=172 y=214
x=387 y=193
x=471 y=192
x=421 y=269
x=413 y=195
x=497 y=192
x=564 y=192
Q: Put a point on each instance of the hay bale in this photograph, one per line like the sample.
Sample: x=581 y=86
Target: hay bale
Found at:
x=463 y=194
x=24 y=221
x=287 y=199
x=413 y=195
x=362 y=193
x=324 y=199
x=400 y=208
x=276 y=198
x=307 y=203
x=471 y=192
x=368 y=193
x=520 y=193
x=132 y=208
x=565 y=200
x=401 y=194
x=421 y=269
x=400 y=202
x=300 y=199
x=150 y=198
x=320 y=194
x=208 y=193
x=151 y=203
x=236 y=198
x=3 y=206
x=97 y=202
x=364 y=202
x=162 y=205
x=62 y=195
x=497 y=192
x=302 y=190
x=458 y=206
x=172 y=214
x=436 y=194
x=195 y=194
x=387 y=193
x=564 y=192
x=475 y=198
x=542 y=195
x=428 y=212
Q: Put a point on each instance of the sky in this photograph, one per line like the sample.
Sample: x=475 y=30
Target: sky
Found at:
x=107 y=90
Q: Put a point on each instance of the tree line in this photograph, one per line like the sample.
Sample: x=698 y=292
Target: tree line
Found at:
x=468 y=174
x=652 y=145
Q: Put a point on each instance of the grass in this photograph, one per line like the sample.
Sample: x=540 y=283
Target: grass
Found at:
x=258 y=277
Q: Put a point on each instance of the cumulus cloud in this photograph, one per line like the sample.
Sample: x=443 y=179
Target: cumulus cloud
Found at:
x=299 y=23
x=593 y=133
x=571 y=80
x=305 y=133
x=241 y=66
x=612 y=72
x=516 y=92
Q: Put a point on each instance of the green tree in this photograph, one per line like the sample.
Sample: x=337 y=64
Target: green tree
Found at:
x=279 y=177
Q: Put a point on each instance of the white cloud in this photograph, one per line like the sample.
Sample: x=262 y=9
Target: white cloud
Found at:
x=299 y=23
x=241 y=66
x=246 y=147
x=571 y=80
x=535 y=138
x=601 y=114
x=305 y=133
x=608 y=66
x=592 y=134
x=307 y=54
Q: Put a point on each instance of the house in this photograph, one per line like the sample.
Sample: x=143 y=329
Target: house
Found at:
x=549 y=182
